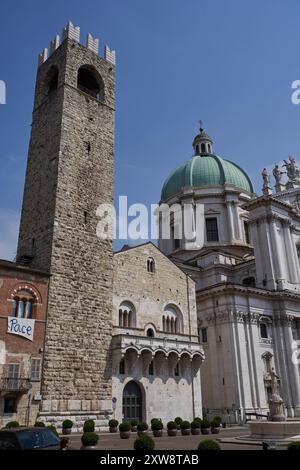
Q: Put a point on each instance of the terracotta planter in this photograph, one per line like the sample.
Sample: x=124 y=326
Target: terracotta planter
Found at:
x=142 y=433
x=124 y=434
x=185 y=432
x=113 y=430
x=134 y=429
x=66 y=430
x=215 y=430
x=172 y=432
x=204 y=430
x=195 y=431
x=157 y=433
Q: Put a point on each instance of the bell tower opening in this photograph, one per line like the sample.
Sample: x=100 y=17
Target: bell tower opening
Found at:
x=89 y=81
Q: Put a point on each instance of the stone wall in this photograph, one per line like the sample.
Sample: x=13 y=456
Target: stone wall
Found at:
x=164 y=394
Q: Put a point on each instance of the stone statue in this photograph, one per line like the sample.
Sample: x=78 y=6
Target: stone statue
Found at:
x=274 y=382
x=276 y=402
x=266 y=182
x=266 y=178
x=292 y=172
x=277 y=173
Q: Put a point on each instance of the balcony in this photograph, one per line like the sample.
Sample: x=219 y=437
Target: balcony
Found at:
x=14 y=386
x=123 y=343
x=266 y=342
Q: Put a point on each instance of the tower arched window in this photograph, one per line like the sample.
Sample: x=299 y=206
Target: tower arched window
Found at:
x=150 y=265
x=51 y=80
x=202 y=148
x=172 y=321
x=23 y=304
x=151 y=368
x=89 y=81
x=150 y=333
x=127 y=317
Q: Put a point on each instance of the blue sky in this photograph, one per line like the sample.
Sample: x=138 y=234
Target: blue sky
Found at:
x=230 y=63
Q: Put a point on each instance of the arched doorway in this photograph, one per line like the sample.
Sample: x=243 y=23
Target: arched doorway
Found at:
x=132 y=402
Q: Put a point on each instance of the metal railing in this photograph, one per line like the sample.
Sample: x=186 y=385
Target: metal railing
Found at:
x=257 y=415
x=20 y=385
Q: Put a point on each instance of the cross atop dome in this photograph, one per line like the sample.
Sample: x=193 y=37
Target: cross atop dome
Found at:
x=202 y=143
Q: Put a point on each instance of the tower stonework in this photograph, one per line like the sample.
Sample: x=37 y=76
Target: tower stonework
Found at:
x=70 y=172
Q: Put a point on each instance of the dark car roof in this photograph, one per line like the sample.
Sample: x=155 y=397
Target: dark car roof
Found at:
x=22 y=428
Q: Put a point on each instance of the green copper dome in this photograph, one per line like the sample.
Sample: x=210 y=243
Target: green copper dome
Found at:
x=206 y=170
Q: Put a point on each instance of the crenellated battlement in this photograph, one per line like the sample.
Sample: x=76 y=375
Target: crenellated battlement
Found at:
x=73 y=32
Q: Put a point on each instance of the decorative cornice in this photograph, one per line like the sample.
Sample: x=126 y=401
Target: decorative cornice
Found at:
x=230 y=288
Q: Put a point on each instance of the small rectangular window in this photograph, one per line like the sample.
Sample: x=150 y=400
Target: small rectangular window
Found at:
x=263 y=330
x=151 y=368
x=176 y=370
x=10 y=405
x=204 y=335
x=122 y=367
x=212 y=234
x=13 y=373
x=35 y=369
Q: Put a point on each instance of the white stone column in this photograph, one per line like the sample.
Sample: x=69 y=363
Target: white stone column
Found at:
x=254 y=343
x=237 y=220
x=293 y=369
x=280 y=359
x=276 y=250
x=293 y=275
x=230 y=221
x=250 y=363
x=295 y=254
x=257 y=253
x=266 y=259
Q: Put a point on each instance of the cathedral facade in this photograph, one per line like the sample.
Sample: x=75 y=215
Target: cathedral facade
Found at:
x=147 y=331
x=247 y=280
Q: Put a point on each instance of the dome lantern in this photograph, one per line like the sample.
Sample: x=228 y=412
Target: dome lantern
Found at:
x=202 y=143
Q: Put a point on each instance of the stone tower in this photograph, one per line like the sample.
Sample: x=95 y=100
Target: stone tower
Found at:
x=70 y=171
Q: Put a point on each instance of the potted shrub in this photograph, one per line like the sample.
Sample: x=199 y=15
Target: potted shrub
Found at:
x=39 y=424
x=133 y=424
x=113 y=425
x=215 y=425
x=209 y=444
x=205 y=425
x=142 y=429
x=185 y=428
x=157 y=427
x=144 y=443
x=124 y=429
x=178 y=421
x=195 y=427
x=53 y=429
x=89 y=440
x=155 y=419
x=12 y=424
x=89 y=425
x=67 y=425
x=172 y=428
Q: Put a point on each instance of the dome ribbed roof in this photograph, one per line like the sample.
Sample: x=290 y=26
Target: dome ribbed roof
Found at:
x=206 y=170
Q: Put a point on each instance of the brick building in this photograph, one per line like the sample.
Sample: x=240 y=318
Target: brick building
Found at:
x=23 y=305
